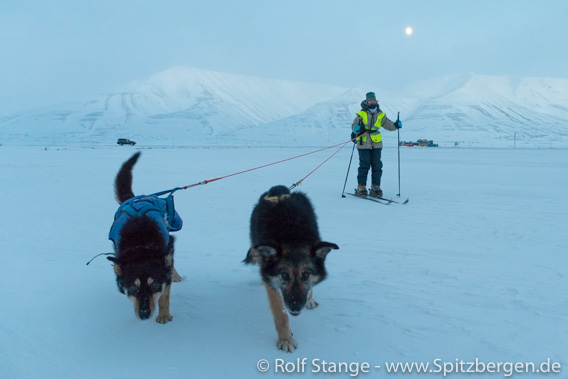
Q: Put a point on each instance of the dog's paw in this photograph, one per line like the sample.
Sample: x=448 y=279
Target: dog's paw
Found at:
x=164 y=319
x=311 y=304
x=287 y=345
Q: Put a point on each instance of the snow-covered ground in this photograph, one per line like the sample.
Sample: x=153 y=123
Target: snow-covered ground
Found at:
x=473 y=267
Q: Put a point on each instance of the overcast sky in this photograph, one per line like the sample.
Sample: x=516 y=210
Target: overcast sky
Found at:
x=63 y=50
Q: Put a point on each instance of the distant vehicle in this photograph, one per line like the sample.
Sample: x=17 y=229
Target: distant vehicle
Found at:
x=124 y=141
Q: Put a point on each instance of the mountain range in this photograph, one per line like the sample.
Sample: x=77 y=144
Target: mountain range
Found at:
x=190 y=106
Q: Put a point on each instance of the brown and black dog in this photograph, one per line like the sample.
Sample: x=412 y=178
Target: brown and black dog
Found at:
x=286 y=244
x=144 y=249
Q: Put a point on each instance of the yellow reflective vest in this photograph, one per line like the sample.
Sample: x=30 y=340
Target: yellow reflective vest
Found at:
x=374 y=130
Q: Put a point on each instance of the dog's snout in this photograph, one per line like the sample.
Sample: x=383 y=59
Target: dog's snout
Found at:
x=295 y=308
x=295 y=302
x=144 y=311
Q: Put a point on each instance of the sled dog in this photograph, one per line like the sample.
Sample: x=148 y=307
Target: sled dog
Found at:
x=143 y=248
x=286 y=244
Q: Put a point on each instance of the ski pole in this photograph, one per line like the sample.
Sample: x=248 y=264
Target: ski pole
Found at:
x=346 y=176
x=398 y=133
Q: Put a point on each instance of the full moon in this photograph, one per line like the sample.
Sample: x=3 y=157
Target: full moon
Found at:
x=408 y=31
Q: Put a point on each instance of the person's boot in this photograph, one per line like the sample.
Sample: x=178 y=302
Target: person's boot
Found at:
x=376 y=191
x=361 y=190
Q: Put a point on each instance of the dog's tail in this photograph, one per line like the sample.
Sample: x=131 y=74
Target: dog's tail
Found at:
x=123 y=181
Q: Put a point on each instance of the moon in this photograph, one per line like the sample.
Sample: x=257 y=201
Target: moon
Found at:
x=408 y=31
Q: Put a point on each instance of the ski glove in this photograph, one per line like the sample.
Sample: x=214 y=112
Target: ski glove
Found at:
x=356 y=128
x=398 y=124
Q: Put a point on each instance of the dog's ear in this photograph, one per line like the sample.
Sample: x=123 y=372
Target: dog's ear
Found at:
x=264 y=252
x=169 y=260
x=113 y=259
x=117 y=269
x=322 y=248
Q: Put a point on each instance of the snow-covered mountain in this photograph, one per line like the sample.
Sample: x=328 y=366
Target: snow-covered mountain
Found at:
x=195 y=107
x=491 y=110
x=472 y=110
x=179 y=105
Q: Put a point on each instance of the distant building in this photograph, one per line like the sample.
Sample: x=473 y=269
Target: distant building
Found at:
x=420 y=142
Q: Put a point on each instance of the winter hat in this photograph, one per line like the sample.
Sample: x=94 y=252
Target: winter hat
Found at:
x=370 y=96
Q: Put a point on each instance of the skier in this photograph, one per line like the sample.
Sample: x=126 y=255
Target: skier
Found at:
x=367 y=126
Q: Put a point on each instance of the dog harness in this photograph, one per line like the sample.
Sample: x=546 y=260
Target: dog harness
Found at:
x=160 y=210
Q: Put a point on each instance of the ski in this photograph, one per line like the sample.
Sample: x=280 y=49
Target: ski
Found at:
x=384 y=202
x=390 y=200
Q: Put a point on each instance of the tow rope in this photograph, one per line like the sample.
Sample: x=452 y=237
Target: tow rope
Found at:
x=321 y=164
x=342 y=145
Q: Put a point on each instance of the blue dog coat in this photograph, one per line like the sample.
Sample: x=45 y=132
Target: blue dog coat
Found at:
x=160 y=210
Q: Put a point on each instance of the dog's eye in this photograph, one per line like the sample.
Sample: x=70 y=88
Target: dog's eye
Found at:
x=306 y=276
x=133 y=289
x=285 y=276
x=156 y=287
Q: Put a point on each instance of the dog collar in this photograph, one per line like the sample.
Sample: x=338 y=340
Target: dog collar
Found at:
x=276 y=199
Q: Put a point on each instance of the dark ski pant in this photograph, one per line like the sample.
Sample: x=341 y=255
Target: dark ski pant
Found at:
x=370 y=158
